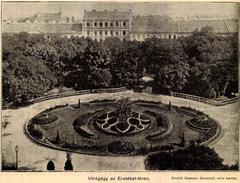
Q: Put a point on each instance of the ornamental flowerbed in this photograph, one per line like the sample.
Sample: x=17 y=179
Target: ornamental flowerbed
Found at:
x=114 y=128
x=44 y=118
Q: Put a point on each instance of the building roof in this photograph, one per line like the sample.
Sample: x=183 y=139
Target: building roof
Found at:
x=47 y=17
x=154 y=25
x=63 y=28
x=106 y=15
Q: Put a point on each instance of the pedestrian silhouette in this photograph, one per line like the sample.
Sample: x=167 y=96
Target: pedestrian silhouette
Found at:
x=68 y=164
x=50 y=165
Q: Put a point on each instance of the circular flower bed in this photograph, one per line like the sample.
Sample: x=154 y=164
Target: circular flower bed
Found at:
x=129 y=128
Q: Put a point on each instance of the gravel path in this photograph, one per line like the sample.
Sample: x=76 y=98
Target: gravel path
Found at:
x=35 y=157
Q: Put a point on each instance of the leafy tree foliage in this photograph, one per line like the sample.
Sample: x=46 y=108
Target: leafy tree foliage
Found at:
x=170 y=64
x=203 y=64
x=194 y=157
x=213 y=63
x=197 y=158
x=126 y=68
x=100 y=78
x=159 y=161
x=25 y=78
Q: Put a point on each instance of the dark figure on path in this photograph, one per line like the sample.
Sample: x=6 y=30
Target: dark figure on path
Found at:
x=50 y=165
x=68 y=164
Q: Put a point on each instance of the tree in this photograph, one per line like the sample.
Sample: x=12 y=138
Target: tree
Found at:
x=212 y=61
x=159 y=161
x=194 y=157
x=170 y=67
x=50 y=165
x=171 y=77
x=100 y=78
x=197 y=157
x=57 y=140
x=68 y=163
x=26 y=78
x=93 y=57
x=127 y=69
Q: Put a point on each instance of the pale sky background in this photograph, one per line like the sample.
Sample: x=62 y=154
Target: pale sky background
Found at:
x=76 y=9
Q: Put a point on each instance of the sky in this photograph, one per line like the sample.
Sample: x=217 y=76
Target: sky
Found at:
x=26 y=9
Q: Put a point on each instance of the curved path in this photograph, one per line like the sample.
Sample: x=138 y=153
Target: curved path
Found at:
x=34 y=157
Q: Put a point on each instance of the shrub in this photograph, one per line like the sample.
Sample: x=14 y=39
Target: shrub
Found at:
x=35 y=132
x=159 y=161
x=44 y=118
x=204 y=123
x=194 y=157
x=120 y=147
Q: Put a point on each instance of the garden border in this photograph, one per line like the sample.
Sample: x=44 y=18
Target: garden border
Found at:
x=81 y=92
x=204 y=100
x=209 y=142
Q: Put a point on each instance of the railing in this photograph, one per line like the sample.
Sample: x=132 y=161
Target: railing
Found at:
x=81 y=92
x=205 y=100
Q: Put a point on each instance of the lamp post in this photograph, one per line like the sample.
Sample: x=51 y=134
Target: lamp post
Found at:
x=16 y=150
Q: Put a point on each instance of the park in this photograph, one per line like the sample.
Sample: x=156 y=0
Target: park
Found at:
x=130 y=152
x=87 y=104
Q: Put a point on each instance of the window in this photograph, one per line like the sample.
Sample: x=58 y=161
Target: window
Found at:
x=100 y=32
x=111 y=32
x=106 y=32
x=116 y=33
x=95 y=32
x=100 y=24
x=88 y=24
x=95 y=24
x=111 y=24
x=88 y=33
x=174 y=37
x=169 y=37
x=100 y=40
x=124 y=24
x=106 y=24
x=124 y=32
x=116 y=24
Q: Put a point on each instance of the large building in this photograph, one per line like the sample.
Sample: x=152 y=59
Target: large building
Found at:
x=44 y=23
x=99 y=25
x=162 y=27
x=102 y=24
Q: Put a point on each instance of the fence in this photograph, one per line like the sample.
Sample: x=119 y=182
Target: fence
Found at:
x=205 y=100
x=81 y=92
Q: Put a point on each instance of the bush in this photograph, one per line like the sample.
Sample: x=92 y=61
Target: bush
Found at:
x=194 y=157
x=35 y=132
x=44 y=118
x=159 y=161
x=102 y=100
x=120 y=147
x=149 y=102
x=204 y=123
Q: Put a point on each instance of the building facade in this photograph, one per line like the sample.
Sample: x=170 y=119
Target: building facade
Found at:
x=44 y=23
x=99 y=25
x=144 y=27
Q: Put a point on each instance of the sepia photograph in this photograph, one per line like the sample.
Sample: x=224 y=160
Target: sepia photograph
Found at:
x=119 y=86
